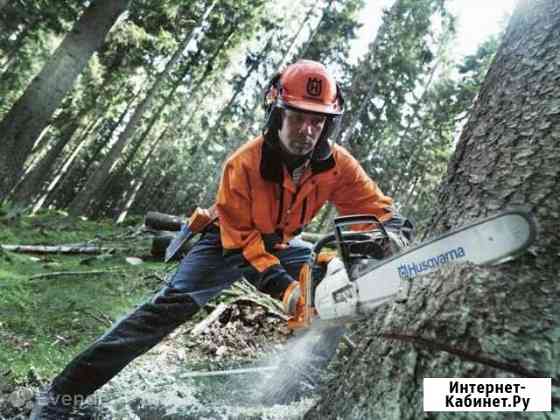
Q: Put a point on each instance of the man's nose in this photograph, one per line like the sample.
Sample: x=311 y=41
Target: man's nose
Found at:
x=307 y=127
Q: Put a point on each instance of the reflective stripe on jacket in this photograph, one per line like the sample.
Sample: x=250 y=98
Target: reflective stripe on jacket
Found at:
x=257 y=198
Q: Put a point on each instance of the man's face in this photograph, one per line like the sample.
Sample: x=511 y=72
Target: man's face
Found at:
x=300 y=131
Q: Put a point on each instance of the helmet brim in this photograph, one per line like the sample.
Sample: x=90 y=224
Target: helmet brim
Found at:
x=308 y=106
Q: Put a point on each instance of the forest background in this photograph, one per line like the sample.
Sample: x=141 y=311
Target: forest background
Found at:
x=172 y=87
x=113 y=108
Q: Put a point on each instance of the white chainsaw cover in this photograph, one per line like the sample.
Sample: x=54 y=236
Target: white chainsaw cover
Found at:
x=488 y=241
x=336 y=297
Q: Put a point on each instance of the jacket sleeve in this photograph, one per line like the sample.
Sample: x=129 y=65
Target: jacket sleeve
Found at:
x=357 y=193
x=236 y=225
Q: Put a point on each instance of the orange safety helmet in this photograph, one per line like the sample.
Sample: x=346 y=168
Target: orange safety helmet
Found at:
x=306 y=86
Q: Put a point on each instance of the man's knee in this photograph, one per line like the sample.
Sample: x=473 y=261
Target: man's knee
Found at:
x=170 y=295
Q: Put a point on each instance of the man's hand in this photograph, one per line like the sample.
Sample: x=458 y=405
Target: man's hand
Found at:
x=296 y=302
x=292 y=299
x=274 y=282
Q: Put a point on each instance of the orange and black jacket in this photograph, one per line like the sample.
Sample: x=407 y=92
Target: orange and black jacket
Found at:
x=257 y=199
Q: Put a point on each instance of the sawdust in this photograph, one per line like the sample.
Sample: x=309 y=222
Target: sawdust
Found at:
x=157 y=386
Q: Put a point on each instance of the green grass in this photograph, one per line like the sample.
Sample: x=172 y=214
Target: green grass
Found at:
x=44 y=322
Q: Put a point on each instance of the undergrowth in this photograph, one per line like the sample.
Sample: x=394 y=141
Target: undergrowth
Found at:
x=45 y=321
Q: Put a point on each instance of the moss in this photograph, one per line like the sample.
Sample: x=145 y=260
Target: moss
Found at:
x=45 y=321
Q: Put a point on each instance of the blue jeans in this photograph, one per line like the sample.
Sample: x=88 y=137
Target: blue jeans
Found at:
x=206 y=271
x=203 y=273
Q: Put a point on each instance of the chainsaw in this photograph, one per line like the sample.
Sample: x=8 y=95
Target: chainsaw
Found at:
x=358 y=279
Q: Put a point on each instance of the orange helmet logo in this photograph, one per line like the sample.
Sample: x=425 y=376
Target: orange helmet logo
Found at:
x=314 y=87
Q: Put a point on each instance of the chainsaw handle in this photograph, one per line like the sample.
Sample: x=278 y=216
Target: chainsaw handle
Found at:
x=356 y=219
x=331 y=238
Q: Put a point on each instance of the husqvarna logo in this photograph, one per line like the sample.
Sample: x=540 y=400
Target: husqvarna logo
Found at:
x=314 y=87
x=412 y=269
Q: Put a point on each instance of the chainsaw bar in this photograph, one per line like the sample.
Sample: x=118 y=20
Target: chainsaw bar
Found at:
x=184 y=235
x=488 y=241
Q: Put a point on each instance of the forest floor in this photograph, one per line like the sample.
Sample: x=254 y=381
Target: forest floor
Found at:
x=53 y=305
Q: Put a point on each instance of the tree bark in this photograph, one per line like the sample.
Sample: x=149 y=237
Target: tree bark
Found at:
x=31 y=113
x=497 y=321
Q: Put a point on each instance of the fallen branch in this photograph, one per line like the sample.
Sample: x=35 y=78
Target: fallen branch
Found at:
x=257 y=300
x=206 y=322
x=162 y=221
x=100 y=317
x=243 y=290
x=73 y=273
x=57 y=249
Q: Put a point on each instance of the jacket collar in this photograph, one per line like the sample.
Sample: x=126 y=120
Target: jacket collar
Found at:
x=271 y=164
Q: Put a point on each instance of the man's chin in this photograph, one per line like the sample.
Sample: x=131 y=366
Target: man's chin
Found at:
x=300 y=151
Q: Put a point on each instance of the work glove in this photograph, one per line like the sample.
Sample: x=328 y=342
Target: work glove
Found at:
x=292 y=299
x=274 y=281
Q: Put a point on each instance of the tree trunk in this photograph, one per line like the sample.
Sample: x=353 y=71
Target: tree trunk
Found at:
x=140 y=177
x=11 y=54
x=34 y=180
x=348 y=127
x=31 y=113
x=137 y=145
x=494 y=321
x=305 y=47
x=55 y=181
x=98 y=178
x=417 y=143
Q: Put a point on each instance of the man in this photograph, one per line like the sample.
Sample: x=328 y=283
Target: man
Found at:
x=270 y=189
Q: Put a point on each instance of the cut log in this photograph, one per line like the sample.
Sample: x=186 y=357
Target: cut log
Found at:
x=162 y=221
x=57 y=249
x=73 y=273
x=168 y=224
